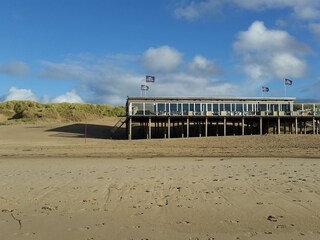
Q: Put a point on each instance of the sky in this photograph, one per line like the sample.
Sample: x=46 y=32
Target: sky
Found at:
x=98 y=51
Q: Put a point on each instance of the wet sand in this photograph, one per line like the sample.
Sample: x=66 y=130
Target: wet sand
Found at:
x=56 y=185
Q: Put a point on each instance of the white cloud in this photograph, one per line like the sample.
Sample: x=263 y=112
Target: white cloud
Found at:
x=203 y=66
x=14 y=68
x=161 y=59
x=69 y=97
x=268 y=54
x=196 y=10
x=285 y=64
x=315 y=29
x=256 y=71
x=67 y=70
x=306 y=9
x=184 y=84
x=301 y=9
x=259 y=38
x=20 y=94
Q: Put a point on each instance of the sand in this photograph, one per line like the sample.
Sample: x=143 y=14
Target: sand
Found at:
x=55 y=184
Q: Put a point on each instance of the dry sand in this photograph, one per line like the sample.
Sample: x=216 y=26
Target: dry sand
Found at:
x=54 y=184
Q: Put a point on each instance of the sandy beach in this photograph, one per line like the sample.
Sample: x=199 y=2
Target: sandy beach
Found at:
x=57 y=184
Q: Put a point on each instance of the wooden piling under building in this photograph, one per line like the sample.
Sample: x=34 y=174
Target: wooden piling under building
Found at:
x=148 y=127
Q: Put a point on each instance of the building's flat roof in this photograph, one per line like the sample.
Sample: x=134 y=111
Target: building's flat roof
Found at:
x=211 y=99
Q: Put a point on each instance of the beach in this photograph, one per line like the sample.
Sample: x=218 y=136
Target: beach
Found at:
x=58 y=182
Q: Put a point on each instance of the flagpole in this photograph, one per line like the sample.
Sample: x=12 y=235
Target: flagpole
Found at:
x=285 y=88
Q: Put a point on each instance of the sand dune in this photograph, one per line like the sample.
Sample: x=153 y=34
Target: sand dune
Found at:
x=54 y=185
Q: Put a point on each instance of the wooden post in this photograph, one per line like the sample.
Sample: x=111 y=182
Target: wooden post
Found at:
x=206 y=127
x=242 y=126
x=296 y=125
x=169 y=125
x=217 y=128
x=279 y=125
x=261 y=126
x=150 y=128
x=313 y=126
x=224 y=126
x=130 y=129
x=188 y=125
x=305 y=127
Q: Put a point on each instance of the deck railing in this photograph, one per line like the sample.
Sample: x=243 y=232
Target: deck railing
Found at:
x=297 y=109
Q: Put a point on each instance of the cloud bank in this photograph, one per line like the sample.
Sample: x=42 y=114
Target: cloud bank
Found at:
x=69 y=97
x=193 y=10
x=161 y=59
x=20 y=94
x=108 y=80
x=15 y=68
x=268 y=54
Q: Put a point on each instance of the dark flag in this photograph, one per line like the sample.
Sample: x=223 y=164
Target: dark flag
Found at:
x=150 y=79
x=287 y=82
x=144 y=87
x=265 y=89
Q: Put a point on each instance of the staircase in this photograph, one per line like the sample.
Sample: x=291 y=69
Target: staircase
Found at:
x=118 y=125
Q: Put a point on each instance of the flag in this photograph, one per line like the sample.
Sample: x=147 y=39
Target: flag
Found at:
x=144 y=87
x=287 y=82
x=150 y=79
x=265 y=89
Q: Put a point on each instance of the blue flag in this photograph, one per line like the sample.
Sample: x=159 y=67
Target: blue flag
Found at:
x=287 y=82
x=150 y=79
x=144 y=87
x=265 y=89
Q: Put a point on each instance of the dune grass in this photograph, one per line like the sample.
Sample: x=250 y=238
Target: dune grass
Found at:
x=29 y=111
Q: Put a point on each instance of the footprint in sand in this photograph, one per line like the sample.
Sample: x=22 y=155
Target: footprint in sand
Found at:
x=184 y=222
x=230 y=221
x=281 y=226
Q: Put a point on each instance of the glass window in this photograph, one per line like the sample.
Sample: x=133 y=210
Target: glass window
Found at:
x=285 y=107
x=137 y=108
x=167 y=108
x=173 y=109
x=197 y=107
x=215 y=108
x=185 y=109
x=179 y=108
x=149 y=107
x=274 y=107
x=161 y=109
x=203 y=107
x=239 y=107
x=262 y=107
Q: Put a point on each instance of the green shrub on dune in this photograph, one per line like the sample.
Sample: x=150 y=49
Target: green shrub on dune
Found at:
x=29 y=111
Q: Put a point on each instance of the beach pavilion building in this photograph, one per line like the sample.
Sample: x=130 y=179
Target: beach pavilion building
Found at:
x=168 y=117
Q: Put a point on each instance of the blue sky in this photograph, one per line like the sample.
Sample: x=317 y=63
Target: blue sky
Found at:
x=98 y=51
